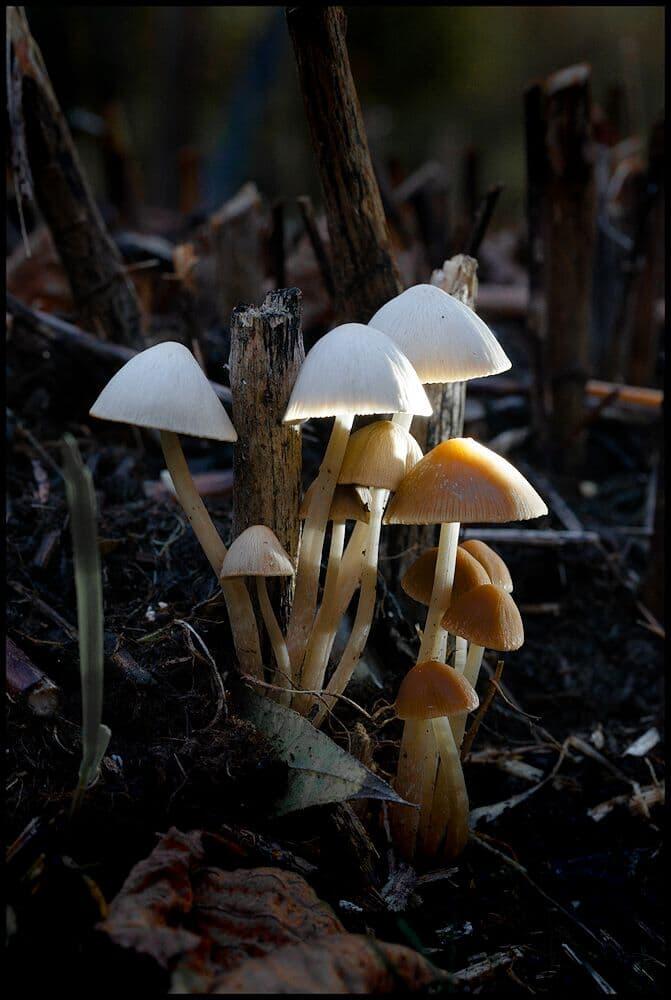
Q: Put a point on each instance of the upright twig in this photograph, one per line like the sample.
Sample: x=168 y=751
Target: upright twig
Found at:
x=104 y=294
x=561 y=214
x=364 y=272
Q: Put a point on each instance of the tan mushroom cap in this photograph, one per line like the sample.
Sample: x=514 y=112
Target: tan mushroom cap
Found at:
x=379 y=455
x=165 y=388
x=256 y=552
x=444 y=340
x=433 y=689
x=499 y=574
x=461 y=480
x=355 y=369
x=348 y=504
x=487 y=616
x=418 y=580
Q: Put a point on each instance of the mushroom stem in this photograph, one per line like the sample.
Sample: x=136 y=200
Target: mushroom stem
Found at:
x=448 y=826
x=417 y=756
x=238 y=602
x=441 y=593
x=471 y=672
x=365 y=607
x=310 y=553
x=325 y=624
x=403 y=420
x=282 y=675
x=460 y=653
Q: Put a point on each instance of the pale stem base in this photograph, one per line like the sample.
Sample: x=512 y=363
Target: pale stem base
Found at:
x=310 y=553
x=325 y=624
x=449 y=816
x=365 y=608
x=471 y=672
x=238 y=602
x=417 y=749
x=282 y=675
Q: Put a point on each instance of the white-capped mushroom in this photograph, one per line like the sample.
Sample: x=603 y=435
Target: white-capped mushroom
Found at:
x=164 y=388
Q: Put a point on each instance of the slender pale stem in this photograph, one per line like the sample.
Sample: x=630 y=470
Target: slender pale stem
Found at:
x=310 y=554
x=351 y=565
x=442 y=591
x=448 y=832
x=409 y=783
x=238 y=602
x=325 y=624
x=460 y=653
x=282 y=675
x=429 y=766
x=471 y=672
x=403 y=420
x=365 y=607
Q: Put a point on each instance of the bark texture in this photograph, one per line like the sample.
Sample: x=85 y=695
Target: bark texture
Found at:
x=364 y=271
x=562 y=216
x=266 y=356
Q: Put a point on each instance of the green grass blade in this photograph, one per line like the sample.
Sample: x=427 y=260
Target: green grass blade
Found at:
x=88 y=582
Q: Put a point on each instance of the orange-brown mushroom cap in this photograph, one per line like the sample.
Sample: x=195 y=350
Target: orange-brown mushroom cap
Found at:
x=348 y=504
x=499 y=574
x=461 y=480
x=418 y=580
x=487 y=616
x=432 y=689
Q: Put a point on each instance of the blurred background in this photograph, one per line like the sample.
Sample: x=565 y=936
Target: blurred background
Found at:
x=214 y=89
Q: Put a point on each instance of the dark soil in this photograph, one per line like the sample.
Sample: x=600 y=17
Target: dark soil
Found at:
x=587 y=899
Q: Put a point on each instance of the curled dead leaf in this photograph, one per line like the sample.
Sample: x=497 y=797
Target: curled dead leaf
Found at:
x=345 y=963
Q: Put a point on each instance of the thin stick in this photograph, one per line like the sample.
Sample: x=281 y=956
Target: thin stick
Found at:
x=482 y=711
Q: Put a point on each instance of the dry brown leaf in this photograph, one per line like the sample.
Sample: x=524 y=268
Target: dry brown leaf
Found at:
x=344 y=964
x=195 y=918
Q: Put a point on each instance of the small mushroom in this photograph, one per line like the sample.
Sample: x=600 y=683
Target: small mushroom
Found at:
x=499 y=574
x=165 y=388
x=489 y=619
x=429 y=769
x=352 y=370
x=258 y=553
x=458 y=481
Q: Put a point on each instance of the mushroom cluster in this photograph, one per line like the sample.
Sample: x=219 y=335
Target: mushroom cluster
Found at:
x=369 y=477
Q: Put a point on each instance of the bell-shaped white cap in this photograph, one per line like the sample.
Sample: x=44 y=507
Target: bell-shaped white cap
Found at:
x=256 y=552
x=165 y=388
x=444 y=340
x=355 y=369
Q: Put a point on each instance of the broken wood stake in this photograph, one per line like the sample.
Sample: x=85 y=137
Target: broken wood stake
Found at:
x=266 y=355
x=561 y=210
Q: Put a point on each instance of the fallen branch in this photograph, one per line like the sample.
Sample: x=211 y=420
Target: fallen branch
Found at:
x=26 y=682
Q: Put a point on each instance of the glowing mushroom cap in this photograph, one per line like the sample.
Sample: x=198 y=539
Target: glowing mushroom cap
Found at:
x=379 y=455
x=355 y=369
x=499 y=574
x=418 y=580
x=165 y=388
x=348 y=504
x=256 y=552
x=444 y=340
x=461 y=480
x=432 y=689
x=487 y=616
